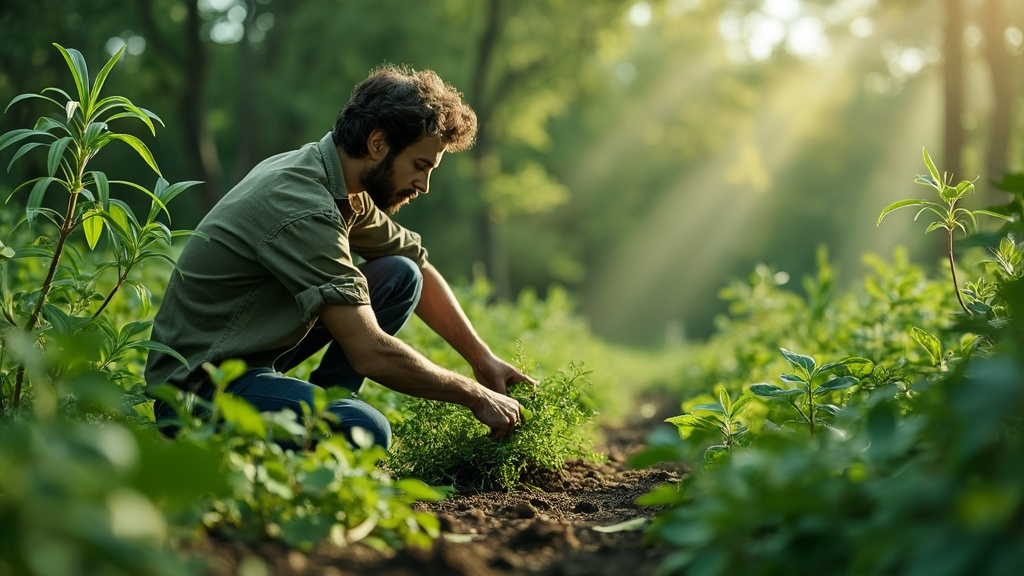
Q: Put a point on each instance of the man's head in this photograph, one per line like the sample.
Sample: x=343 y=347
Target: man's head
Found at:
x=403 y=121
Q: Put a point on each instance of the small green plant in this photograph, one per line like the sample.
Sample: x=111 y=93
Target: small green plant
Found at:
x=298 y=483
x=950 y=216
x=722 y=419
x=813 y=383
x=64 y=306
x=443 y=444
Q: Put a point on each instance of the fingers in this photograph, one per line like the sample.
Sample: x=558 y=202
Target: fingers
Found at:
x=508 y=417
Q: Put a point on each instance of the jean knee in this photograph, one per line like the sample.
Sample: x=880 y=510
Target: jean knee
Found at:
x=359 y=414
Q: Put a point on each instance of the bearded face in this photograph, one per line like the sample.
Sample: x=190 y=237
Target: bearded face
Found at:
x=379 y=182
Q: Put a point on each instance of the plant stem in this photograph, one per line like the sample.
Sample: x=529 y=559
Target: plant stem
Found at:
x=952 y=271
x=65 y=231
x=112 y=292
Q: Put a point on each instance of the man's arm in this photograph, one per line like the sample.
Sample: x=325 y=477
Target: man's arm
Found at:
x=389 y=361
x=439 y=309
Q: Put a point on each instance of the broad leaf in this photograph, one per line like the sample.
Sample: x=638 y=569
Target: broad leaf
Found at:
x=766 y=390
x=930 y=343
x=151 y=345
x=241 y=414
x=799 y=361
x=92 y=225
x=840 y=383
x=710 y=407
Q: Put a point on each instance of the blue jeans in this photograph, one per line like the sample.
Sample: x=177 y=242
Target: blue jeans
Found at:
x=395 y=283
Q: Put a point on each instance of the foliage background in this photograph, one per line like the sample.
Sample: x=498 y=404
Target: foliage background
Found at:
x=638 y=153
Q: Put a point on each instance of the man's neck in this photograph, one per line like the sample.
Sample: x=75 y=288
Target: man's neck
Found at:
x=351 y=170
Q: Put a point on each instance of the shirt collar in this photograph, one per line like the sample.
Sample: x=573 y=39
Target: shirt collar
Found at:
x=335 y=176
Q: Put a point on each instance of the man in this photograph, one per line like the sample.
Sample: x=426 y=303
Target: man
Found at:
x=275 y=281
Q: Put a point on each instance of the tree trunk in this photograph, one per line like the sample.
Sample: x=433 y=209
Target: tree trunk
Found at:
x=993 y=22
x=954 y=87
x=491 y=251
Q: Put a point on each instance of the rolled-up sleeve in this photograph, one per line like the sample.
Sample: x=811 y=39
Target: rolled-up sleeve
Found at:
x=310 y=255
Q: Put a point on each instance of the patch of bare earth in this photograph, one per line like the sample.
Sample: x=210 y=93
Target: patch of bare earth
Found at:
x=549 y=531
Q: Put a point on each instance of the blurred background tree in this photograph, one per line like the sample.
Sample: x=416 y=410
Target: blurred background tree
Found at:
x=638 y=152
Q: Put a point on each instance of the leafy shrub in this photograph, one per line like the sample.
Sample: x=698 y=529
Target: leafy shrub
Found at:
x=444 y=444
x=925 y=475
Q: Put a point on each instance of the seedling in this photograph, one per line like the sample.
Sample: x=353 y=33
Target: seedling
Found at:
x=722 y=418
x=950 y=217
x=813 y=383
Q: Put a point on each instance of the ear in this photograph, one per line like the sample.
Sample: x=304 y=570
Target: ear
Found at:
x=377 y=145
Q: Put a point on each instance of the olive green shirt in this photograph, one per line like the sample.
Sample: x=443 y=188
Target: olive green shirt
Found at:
x=278 y=249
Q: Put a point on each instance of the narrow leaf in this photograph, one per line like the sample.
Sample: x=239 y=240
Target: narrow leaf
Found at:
x=56 y=154
x=151 y=345
x=932 y=170
x=22 y=151
x=897 y=206
x=139 y=147
x=79 y=70
x=21 y=97
x=102 y=188
x=15 y=136
x=102 y=76
x=35 y=198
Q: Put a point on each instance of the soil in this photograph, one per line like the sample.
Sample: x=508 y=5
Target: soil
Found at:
x=553 y=530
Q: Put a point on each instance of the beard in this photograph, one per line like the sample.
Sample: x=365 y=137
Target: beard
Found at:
x=379 y=182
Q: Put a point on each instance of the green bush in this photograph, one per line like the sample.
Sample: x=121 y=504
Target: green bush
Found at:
x=922 y=473
x=444 y=444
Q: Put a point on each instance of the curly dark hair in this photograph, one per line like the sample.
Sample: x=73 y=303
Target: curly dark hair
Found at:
x=405 y=104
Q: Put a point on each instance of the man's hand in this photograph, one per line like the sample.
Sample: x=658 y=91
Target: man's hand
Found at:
x=498 y=375
x=499 y=412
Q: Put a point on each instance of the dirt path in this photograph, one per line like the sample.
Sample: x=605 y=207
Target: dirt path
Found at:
x=549 y=532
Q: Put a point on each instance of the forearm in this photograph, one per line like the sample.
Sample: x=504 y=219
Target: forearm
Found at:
x=439 y=309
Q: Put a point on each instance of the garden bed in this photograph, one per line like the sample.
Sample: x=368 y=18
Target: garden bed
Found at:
x=548 y=530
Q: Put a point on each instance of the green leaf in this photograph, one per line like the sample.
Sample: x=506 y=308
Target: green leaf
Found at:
x=994 y=214
x=139 y=147
x=151 y=345
x=806 y=363
x=102 y=188
x=932 y=170
x=767 y=390
x=792 y=378
x=79 y=70
x=56 y=154
x=21 y=97
x=15 y=136
x=851 y=365
x=57 y=318
x=145 y=297
x=663 y=495
x=897 y=206
x=102 y=76
x=710 y=408
x=840 y=383
x=6 y=252
x=930 y=343
x=21 y=152
x=949 y=193
x=35 y=198
x=418 y=490
x=92 y=225
x=92 y=132
x=238 y=412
